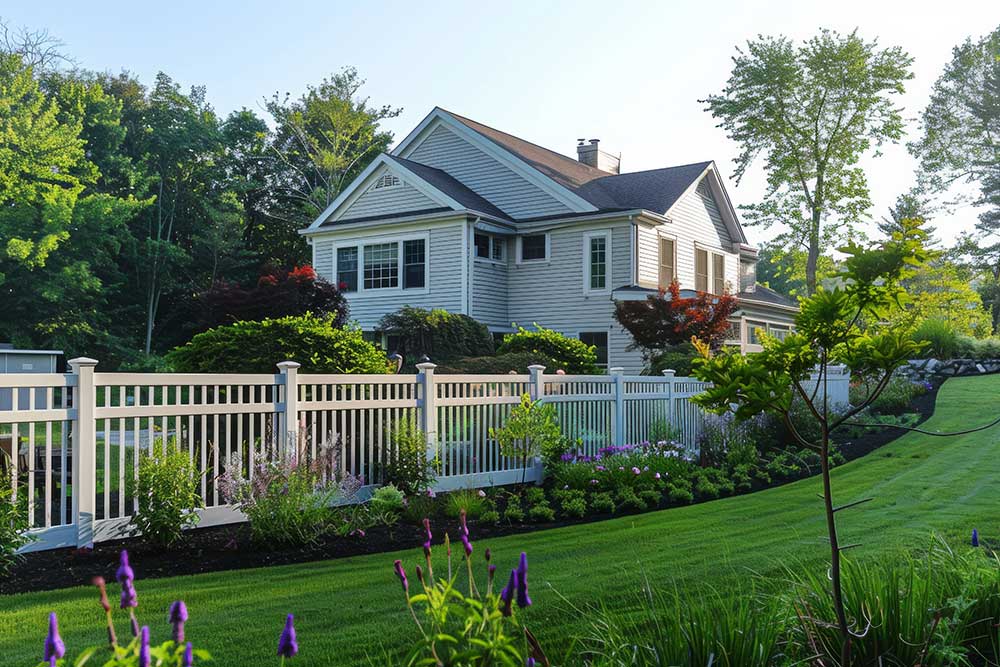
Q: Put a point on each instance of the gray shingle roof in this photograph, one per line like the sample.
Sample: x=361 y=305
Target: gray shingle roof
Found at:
x=654 y=190
x=768 y=295
x=450 y=186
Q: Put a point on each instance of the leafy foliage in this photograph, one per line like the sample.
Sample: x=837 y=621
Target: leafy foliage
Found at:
x=832 y=327
x=256 y=347
x=166 y=488
x=668 y=319
x=531 y=430
x=568 y=354
x=939 y=339
x=406 y=465
x=512 y=362
x=811 y=111
x=13 y=526
x=441 y=335
x=276 y=294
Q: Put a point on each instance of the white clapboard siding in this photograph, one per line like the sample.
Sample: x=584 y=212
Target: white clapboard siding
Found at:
x=444 y=277
x=489 y=292
x=497 y=183
x=401 y=198
x=695 y=221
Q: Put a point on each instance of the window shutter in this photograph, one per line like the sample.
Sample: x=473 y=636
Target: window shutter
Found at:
x=718 y=274
x=701 y=270
x=667 y=273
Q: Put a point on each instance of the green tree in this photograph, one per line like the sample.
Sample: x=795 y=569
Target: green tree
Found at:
x=812 y=111
x=843 y=325
x=783 y=268
x=325 y=139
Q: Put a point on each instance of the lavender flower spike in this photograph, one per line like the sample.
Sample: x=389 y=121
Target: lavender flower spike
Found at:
x=54 y=646
x=507 y=594
x=401 y=573
x=124 y=572
x=130 y=598
x=467 y=545
x=178 y=616
x=975 y=537
x=188 y=659
x=522 y=582
x=144 y=647
x=288 y=646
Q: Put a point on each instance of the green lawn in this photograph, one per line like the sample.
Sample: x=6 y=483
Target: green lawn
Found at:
x=345 y=608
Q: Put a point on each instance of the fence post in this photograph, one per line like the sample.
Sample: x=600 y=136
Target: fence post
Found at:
x=84 y=433
x=618 y=375
x=536 y=388
x=668 y=374
x=428 y=407
x=290 y=417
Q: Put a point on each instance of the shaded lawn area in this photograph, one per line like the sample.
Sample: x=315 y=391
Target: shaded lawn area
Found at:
x=346 y=609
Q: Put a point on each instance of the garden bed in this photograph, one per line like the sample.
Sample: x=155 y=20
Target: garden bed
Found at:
x=221 y=548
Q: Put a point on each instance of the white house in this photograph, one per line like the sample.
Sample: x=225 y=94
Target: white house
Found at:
x=467 y=218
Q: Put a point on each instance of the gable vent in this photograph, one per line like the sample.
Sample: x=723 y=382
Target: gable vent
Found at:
x=387 y=181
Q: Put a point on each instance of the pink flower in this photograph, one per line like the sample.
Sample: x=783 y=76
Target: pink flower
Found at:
x=636 y=471
x=594 y=481
x=481 y=494
x=656 y=476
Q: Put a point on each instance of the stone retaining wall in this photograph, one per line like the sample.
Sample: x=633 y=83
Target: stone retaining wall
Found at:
x=929 y=369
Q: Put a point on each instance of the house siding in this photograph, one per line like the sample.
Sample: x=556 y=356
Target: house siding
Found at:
x=552 y=295
x=398 y=199
x=488 y=177
x=444 y=278
x=489 y=292
x=695 y=221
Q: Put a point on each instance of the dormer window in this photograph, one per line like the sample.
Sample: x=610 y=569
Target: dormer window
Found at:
x=386 y=181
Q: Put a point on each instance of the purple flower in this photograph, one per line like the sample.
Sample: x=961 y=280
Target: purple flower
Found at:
x=530 y=662
x=401 y=573
x=636 y=471
x=288 y=646
x=522 y=582
x=975 y=537
x=467 y=545
x=178 y=616
x=54 y=646
x=431 y=494
x=492 y=570
x=507 y=594
x=600 y=468
x=124 y=572
x=144 y=646
x=488 y=555
x=461 y=521
x=188 y=658
x=594 y=481
x=130 y=598
x=481 y=494
x=427 y=531
x=656 y=476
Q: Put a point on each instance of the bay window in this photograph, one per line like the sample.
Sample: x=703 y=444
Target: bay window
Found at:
x=383 y=265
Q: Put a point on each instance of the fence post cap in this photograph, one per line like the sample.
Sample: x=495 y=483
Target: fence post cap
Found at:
x=669 y=372
x=82 y=362
x=287 y=365
x=617 y=370
x=536 y=368
x=426 y=366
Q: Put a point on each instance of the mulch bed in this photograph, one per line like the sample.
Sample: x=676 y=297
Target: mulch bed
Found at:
x=221 y=548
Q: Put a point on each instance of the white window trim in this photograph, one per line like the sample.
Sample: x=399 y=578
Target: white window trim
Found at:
x=663 y=234
x=494 y=238
x=398 y=239
x=548 y=249
x=606 y=235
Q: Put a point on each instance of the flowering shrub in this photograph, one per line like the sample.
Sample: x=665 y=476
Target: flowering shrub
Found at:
x=638 y=467
x=288 y=501
x=477 y=626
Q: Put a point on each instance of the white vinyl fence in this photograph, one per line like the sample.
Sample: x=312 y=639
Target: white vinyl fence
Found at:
x=70 y=444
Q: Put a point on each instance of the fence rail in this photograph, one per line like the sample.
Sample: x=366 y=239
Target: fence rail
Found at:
x=70 y=444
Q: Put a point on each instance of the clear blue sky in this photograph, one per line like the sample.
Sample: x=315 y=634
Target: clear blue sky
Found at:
x=629 y=73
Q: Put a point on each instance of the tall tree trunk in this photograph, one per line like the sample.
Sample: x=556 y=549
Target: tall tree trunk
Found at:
x=812 y=259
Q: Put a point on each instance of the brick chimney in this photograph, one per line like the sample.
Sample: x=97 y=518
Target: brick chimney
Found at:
x=590 y=153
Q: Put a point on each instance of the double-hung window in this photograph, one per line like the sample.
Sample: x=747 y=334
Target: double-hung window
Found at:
x=709 y=271
x=489 y=247
x=596 y=261
x=383 y=265
x=599 y=339
x=347 y=269
x=534 y=247
x=414 y=264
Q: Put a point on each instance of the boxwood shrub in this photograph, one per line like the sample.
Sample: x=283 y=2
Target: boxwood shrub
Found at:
x=256 y=347
x=568 y=354
x=441 y=335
